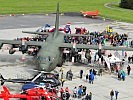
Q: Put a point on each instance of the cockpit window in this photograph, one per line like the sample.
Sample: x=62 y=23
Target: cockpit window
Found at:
x=49 y=58
x=44 y=59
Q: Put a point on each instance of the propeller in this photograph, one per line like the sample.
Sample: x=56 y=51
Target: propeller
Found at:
x=2 y=79
x=35 y=70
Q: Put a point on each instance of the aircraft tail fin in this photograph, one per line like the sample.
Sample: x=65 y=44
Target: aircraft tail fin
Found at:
x=81 y=11
x=2 y=79
x=6 y=90
x=97 y=11
x=57 y=21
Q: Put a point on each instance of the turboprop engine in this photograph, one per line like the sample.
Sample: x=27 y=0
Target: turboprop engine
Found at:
x=87 y=54
x=23 y=48
x=1 y=45
x=11 y=51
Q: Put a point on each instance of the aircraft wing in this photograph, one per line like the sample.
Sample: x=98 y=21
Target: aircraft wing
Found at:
x=117 y=48
x=79 y=46
x=39 y=33
x=77 y=35
x=85 y=46
x=16 y=42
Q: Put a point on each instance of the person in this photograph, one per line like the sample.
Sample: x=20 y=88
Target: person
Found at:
x=123 y=75
x=116 y=68
x=80 y=91
x=132 y=58
x=67 y=29
x=116 y=94
x=128 y=70
x=78 y=31
x=61 y=93
x=87 y=77
x=90 y=95
x=95 y=56
x=111 y=94
x=119 y=75
x=87 y=97
x=57 y=76
x=94 y=72
x=125 y=55
x=90 y=71
x=69 y=75
x=67 y=96
x=66 y=89
x=61 y=70
x=75 y=92
x=62 y=82
x=84 y=90
x=123 y=62
x=81 y=74
x=49 y=86
x=100 y=71
x=129 y=59
x=91 y=78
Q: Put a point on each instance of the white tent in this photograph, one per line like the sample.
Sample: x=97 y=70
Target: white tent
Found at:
x=111 y=59
x=114 y=59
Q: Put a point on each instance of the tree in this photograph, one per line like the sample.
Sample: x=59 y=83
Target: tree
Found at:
x=126 y=4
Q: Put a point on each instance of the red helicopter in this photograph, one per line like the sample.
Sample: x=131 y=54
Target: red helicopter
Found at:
x=30 y=94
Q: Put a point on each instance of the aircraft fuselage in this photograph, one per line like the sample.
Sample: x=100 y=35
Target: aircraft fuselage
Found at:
x=49 y=56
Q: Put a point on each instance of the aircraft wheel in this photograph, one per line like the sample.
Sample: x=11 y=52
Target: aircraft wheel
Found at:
x=60 y=65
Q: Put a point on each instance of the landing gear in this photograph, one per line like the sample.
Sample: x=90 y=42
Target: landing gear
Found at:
x=60 y=65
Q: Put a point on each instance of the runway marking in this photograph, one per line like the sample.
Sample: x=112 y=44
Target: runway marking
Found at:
x=23 y=25
x=79 y=22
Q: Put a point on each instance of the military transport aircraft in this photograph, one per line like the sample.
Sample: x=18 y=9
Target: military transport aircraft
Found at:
x=50 y=53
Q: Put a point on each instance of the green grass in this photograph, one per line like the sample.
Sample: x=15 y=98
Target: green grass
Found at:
x=49 y=6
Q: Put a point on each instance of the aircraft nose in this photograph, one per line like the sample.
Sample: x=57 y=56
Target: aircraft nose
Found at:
x=44 y=67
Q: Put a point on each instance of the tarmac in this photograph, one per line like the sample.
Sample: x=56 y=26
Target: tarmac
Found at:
x=14 y=67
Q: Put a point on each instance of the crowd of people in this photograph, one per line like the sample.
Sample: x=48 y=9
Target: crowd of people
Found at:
x=82 y=92
x=113 y=38
x=96 y=38
x=36 y=38
x=79 y=92
x=114 y=93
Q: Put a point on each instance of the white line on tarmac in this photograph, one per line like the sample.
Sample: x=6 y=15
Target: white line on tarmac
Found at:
x=78 y=22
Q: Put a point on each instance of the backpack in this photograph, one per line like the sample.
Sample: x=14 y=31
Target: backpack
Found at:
x=112 y=93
